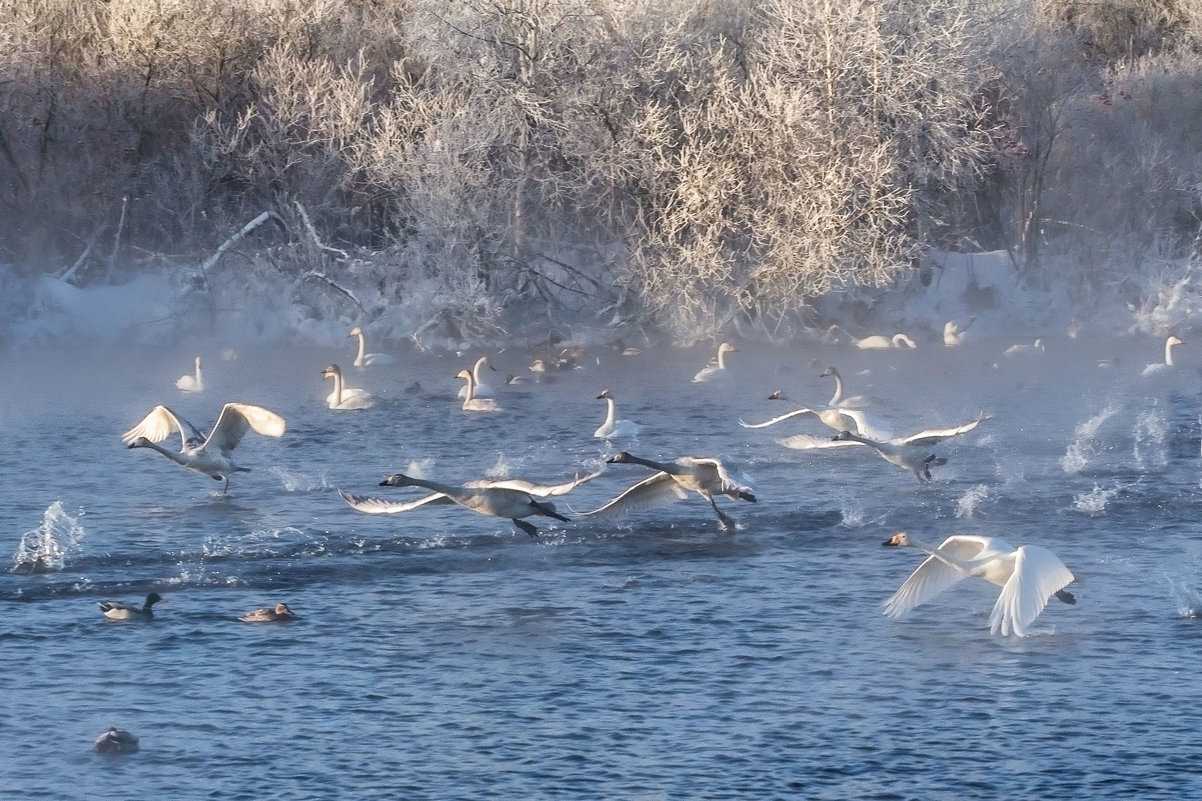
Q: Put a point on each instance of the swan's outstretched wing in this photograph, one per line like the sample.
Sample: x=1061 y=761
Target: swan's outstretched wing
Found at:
x=781 y=418
x=379 y=506
x=530 y=488
x=234 y=421
x=159 y=424
x=808 y=442
x=933 y=435
x=1038 y=574
x=934 y=576
x=658 y=490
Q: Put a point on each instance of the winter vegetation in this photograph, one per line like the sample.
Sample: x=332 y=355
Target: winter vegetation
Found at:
x=484 y=171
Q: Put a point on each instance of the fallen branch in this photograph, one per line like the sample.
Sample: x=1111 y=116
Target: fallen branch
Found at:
x=308 y=224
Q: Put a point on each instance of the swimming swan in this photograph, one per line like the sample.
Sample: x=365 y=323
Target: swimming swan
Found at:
x=716 y=368
x=470 y=402
x=837 y=333
x=1028 y=575
x=838 y=399
x=192 y=383
x=279 y=613
x=362 y=357
x=482 y=390
x=493 y=501
x=344 y=398
x=212 y=455
x=115 y=741
x=1167 y=365
x=614 y=428
x=115 y=610
x=379 y=506
x=705 y=476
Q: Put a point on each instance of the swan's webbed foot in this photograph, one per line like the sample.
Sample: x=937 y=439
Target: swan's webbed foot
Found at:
x=526 y=527
x=1066 y=596
x=746 y=496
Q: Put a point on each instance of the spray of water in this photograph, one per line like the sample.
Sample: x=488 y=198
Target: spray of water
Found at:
x=966 y=507
x=1085 y=441
x=45 y=549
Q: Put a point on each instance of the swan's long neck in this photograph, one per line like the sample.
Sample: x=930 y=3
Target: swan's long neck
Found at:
x=476 y=371
x=837 y=398
x=445 y=489
x=172 y=455
x=1168 y=352
x=721 y=358
x=471 y=387
x=903 y=341
x=362 y=349
x=610 y=412
x=671 y=469
x=338 y=387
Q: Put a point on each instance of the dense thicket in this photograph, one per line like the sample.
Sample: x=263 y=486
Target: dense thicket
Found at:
x=688 y=162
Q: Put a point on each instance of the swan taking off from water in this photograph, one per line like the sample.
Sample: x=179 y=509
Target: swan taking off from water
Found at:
x=482 y=389
x=212 y=455
x=494 y=501
x=362 y=357
x=717 y=368
x=1167 y=365
x=705 y=476
x=379 y=506
x=614 y=428
x=115 y=610
x=279 y=613
x=910 y=456
x=191 y=383
x=344 y=398
x=1029 y=576
x=470 y=402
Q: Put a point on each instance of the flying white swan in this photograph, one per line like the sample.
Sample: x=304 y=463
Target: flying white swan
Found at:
x=470 y=402
x=1167 y=365
x=837 y=419
x=910 y=456
x=717 y=368
x=115 y=610
x=705 y=476
x=482 y=389
x=212 y=455
x=495 y=501
x=1028 y=575
x=344 y=398
x=611 y=428
x=192 y=383
x=115 y=741
x=279 y=613
x=379 y=506
x=362 y=357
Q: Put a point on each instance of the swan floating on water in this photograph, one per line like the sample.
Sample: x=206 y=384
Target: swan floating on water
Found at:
x=344 y=398
x=1028 y=575
x=494 y=501
x=836 y=333
x=838 y=399
x=955 y=334
x=611 y=428
x=212 y=455
x=115 y=741
x=1167 y=365
x=470 y=402
x=482 y=389
x=279 y=613
x=379 y=506
x=114 y=610
x=362 y=357
x=192 y=383
x=717 y=368
x=673 y=481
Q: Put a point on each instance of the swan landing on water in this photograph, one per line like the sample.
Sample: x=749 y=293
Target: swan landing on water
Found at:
x=1028 y=575
x=211 y=455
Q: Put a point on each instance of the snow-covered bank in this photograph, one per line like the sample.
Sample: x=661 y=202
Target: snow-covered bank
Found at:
x=981 y=294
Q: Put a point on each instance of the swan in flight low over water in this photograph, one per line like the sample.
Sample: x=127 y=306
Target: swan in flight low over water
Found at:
x=470 y=402
x=482 y=389
x=1028 y=575
x=911 y=456
x=211 y=455
x=192 y=383
x=673 y=481
x=379 y=506
x=115 y=610
x=495 y=501
x=362 y=357
x=280 y=613
x=611 y=428
x=1167 y=365
x=344 y=398
x=717 y=368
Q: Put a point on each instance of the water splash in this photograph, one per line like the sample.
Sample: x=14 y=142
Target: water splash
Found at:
x=45 y=549
x=500 y=469
x=966 y=507
x=1151 y=437
x=1085 y=441
x=1094 y=502
x=299 y=482
x=1186 y=598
